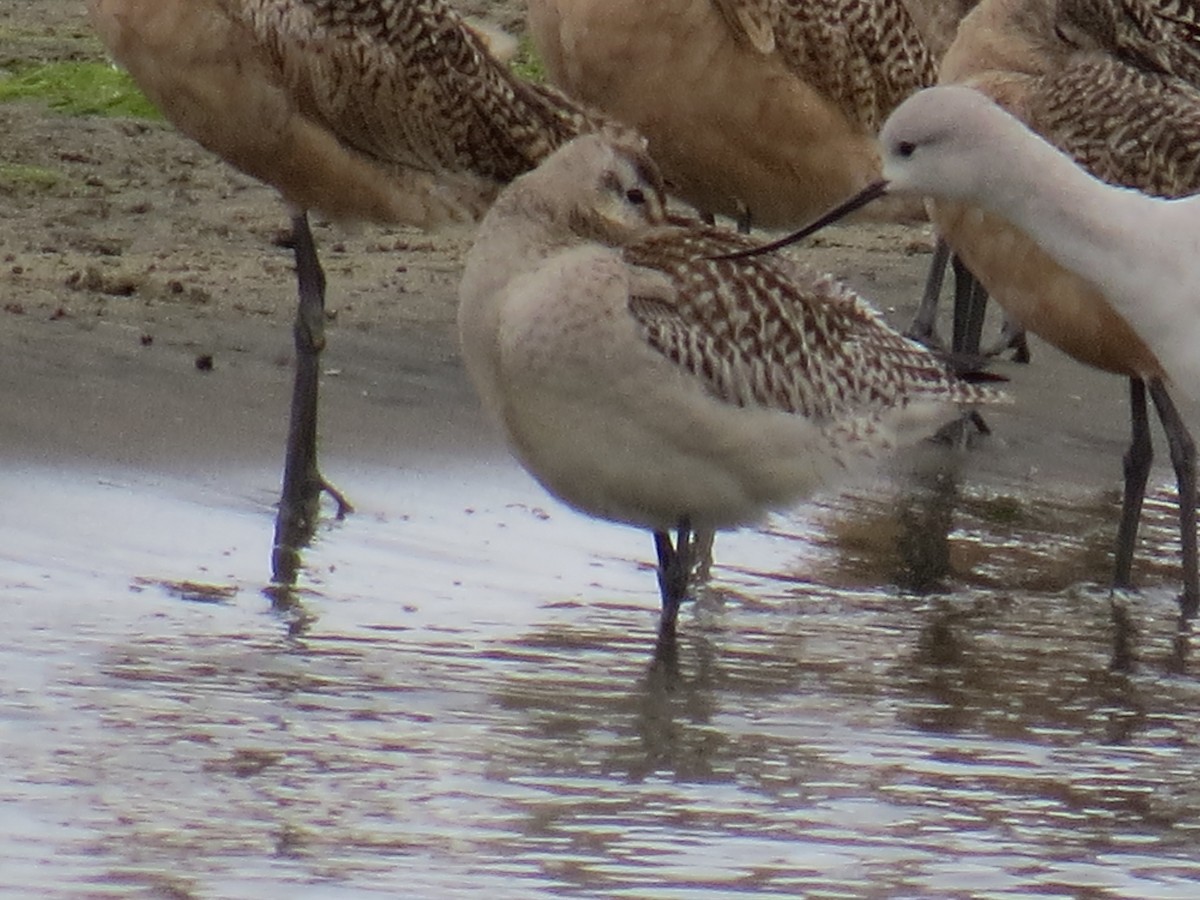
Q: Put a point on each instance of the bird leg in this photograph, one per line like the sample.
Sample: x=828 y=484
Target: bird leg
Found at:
x=744 y=218
x=1137 y=471
x=1183 y=458
x=1012 y=337
x=674 y=569
x=300 y=499
x=921 y=328
x=970 y=307
x=701 y=555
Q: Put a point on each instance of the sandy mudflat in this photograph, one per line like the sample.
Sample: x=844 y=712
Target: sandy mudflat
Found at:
x=144 y=252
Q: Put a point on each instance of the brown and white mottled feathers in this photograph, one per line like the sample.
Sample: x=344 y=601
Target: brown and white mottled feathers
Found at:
x=866 y=55
x=1160 y=36
x=1125 y=126
x=381 y=110
x=752 y=22
x=578 y=261
x=766 y=332
x=937 y=21
x=1125 y=102
x=406 y=82
x=1124 y=122
x=642 y=382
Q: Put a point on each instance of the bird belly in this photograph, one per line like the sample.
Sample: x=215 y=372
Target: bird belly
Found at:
x=1050 y=301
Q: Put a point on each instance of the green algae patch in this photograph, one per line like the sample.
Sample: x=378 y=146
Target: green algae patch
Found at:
x=16 y=176
x=78 y=89
x=527 y=63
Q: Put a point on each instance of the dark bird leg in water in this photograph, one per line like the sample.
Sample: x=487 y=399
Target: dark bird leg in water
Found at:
x=970 y=307
x=300 y=500
x=674 y=575
x=921 y=327
x=1183 y=459
x=1137 y=471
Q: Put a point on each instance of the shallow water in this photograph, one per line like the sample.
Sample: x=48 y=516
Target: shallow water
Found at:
x=469 y=700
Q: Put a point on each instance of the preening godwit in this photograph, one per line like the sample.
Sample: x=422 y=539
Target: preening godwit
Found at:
x=762 y=110
x=643 y=383
x=378 y=110
x=1108 y=274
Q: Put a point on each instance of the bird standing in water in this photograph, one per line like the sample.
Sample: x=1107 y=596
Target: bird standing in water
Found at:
x=642 y=382
x=388 y=111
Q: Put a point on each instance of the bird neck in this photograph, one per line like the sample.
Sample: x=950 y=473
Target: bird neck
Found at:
x=1100 y=231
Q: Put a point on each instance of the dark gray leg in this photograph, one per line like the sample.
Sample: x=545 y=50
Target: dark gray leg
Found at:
x=1137 y=470
x=702 y=555
x=744 y=219
x=1183 y=458
x=970 y=307
x=1012 y=337
x=921 y=327
x=299 y=502
x=674 y=569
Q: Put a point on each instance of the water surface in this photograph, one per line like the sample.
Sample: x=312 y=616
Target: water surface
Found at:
x=470 y=702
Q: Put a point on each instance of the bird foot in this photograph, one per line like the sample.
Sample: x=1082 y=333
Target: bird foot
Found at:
x=964 y=432
x=344 y=506
x=925 y=335
x=1012 y=337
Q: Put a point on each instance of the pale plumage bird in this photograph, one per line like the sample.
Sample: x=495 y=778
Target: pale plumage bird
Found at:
x=1098 y=78
x=643 y=383
x=380 y=110
x=1111 y=274
x=761 y=110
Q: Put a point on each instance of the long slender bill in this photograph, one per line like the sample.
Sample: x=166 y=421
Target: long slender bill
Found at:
x=872 y=191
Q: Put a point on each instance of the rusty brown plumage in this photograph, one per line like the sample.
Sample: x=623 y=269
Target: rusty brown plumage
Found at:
x=763 y=110
x=1112 y=83
x=379 y=110
x=385 y=110
x=1125 y=123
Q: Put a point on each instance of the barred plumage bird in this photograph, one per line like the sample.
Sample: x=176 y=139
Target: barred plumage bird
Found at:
x=644 y=382
x=762 y=110
x=378 y=110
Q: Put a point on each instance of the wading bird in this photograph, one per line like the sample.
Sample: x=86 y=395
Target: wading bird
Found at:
x=378 y=110
x=1108 y=274
x=643 y=383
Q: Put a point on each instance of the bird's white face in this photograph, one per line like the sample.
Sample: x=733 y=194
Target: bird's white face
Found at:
x=930 y=145
x=622 y=189
x=598 y=188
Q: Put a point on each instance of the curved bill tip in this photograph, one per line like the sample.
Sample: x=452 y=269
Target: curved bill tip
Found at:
x=872 y=191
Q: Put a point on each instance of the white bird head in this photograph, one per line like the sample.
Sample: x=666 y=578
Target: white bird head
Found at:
x=936 y=143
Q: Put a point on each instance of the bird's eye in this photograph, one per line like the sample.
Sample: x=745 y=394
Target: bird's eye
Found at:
x=905 y=149
x=1063 y=35
x=635 y=196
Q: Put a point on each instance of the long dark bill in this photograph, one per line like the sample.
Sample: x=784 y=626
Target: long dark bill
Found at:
x=872 y=191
